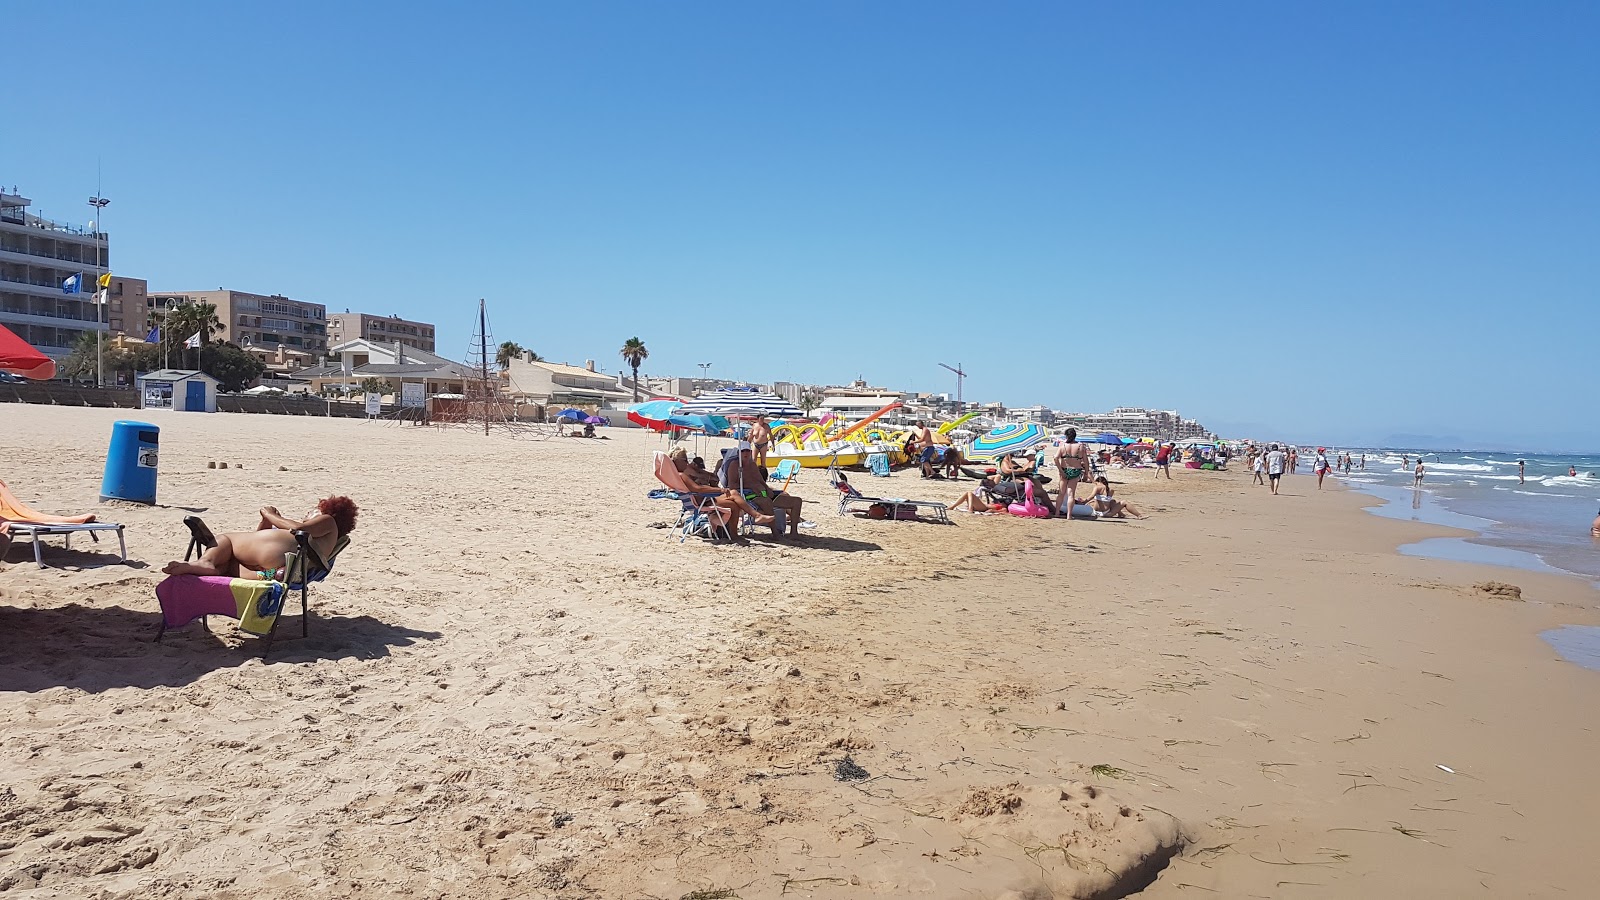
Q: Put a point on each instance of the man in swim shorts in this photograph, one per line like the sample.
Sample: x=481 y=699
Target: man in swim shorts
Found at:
x=1276 y=461
x=760 y=438
x=1164 y=460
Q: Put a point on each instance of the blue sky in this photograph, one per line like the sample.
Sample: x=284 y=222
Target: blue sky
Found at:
x=1333 y=222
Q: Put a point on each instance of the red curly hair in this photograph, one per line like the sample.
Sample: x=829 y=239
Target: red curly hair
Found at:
x=343 y=511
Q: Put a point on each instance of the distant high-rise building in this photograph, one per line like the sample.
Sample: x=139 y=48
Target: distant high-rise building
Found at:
x=37 y=256
x=349 y=326
x=270 y=326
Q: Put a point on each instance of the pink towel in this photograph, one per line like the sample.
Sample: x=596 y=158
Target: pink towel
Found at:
x=255 y=604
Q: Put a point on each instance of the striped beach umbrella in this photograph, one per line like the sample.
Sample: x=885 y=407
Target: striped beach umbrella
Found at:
x=741 y=403
x=1008 y=439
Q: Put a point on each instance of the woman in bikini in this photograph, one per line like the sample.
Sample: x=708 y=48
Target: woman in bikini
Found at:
x=1107 y=505
x=1072 y=458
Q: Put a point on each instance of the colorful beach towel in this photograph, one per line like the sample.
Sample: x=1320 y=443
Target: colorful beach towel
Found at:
x=256 y=604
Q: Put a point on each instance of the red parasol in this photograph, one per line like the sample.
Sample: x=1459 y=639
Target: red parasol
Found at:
x=18 y=356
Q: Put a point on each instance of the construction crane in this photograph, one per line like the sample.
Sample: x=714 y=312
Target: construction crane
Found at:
x=960 y=377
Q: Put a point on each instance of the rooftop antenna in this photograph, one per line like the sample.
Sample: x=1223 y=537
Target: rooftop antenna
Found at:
x=960 y=379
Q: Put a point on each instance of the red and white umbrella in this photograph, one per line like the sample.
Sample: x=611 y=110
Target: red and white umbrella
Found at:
x=18 y=357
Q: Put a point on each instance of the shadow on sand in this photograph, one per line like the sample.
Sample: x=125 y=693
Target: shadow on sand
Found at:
x=97 y=649
x=813 y=542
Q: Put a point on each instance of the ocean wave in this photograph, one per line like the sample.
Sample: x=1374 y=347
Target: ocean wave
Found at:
x=1542 y=494
x=1500 y=477
x=1458 y=467
x=1582 y=479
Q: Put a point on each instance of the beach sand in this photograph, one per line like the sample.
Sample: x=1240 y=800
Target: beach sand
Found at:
x=514 y=686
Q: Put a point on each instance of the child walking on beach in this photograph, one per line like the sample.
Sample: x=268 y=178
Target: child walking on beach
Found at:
x=1260 y=466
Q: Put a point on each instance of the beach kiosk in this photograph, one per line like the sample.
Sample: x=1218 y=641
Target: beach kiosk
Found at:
x=187 y=390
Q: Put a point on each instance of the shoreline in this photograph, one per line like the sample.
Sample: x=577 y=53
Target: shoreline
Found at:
x=507 y=693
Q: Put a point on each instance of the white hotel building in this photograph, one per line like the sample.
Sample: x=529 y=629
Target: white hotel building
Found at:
x=36 y=255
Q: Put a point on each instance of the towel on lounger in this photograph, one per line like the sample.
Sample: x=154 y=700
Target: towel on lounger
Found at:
x=254 y=603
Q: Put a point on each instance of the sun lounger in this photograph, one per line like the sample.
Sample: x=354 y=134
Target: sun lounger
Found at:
x=850 y=497
x=38 y=530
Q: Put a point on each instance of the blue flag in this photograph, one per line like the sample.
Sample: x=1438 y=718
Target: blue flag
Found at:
x=72 y=284
x=153 y=336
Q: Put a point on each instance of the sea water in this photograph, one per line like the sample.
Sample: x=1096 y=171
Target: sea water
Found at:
x=1538 y=522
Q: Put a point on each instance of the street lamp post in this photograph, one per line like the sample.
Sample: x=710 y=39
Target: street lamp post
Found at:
x=705 y=371
x=99 y=203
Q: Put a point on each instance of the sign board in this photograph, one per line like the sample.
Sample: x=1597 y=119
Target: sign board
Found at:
x=411 y=395
x=147 y=457
x=158 y=395
x=374 y=405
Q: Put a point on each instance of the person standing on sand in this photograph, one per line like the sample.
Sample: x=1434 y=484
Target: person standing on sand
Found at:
x=760 y=438
x=1276 y=460
x=1416 y=480
x=1072 y=460
x=1164 y=461
x=1522 y=471
x=1320 y=465
x=1260 y=467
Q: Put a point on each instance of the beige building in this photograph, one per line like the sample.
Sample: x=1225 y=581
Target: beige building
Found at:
x=350 y=363
x=259 y=322
x=558 y=384
x=128 y=303
x=349 y=326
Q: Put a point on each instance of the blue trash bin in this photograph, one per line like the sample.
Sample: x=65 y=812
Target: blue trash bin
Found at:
x=131 y=463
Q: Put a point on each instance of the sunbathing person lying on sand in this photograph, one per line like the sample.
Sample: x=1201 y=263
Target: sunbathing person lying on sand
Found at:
x=1107 y=505
x=261 y=553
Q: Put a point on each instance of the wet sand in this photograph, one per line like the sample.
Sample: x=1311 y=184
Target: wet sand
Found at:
x=514 y=686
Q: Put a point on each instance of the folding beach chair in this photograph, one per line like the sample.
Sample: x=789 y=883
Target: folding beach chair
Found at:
x=850 y=497
x=257 y=604
x=699 y=515
x=788 y=470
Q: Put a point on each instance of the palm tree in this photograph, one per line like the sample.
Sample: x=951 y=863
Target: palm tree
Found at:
x=809 y=401
x=189 y=319
x=508 y=351
x=635 y=353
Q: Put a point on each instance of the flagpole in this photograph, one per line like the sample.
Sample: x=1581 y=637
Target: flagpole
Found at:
x=99 y=203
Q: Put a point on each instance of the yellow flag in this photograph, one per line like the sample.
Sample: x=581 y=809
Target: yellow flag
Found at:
x=105 y=280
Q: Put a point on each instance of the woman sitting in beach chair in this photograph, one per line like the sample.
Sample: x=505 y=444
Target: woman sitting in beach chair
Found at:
x=262 y=553
x=732 y=501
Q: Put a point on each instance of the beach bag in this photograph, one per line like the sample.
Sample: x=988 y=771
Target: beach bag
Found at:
x=1028 y=508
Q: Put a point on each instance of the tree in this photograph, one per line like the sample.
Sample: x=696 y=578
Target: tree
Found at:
x=809 y=401
x=634 y=353
x=508 y=351
x=185 y=321
x=129 y=358
x=373 y=385
x=230 y=366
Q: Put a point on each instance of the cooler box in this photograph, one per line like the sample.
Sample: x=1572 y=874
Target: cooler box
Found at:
x=131 y=463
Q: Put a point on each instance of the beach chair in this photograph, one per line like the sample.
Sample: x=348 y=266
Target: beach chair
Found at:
x=788 y=470
x=257 y=604
x=18 y=518
x=699 y=515
x=850 y=497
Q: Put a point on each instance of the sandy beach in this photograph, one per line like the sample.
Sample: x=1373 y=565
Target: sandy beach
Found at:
x=518 y=685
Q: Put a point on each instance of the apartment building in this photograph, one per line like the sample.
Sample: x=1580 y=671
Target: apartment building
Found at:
x=349 y=326
x=263 y=324
x=36 y=256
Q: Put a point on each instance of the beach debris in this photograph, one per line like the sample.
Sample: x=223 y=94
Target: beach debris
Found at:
x=212 y=464
x=1102 y=770
x=989 y=801
x=1499 y=589
x=283 y=468
x=559 y=818
x=711 y=894
x=1445 y=768
x=222 y=465
x=846 y=770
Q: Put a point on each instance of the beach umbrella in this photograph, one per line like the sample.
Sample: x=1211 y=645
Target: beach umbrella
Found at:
x=576 y=415
x=707 y=424
x=1011 y=438
x=1105 y=437
x=596 y=420
x=19 y=357
x=741 y=403
x=653 y=414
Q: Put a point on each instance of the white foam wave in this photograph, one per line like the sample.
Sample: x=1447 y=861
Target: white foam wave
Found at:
x=1458 y=467
x=1498 y=477
x=1582 y=479
x=1542 y=494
